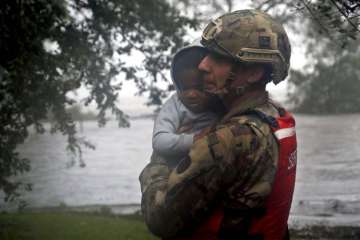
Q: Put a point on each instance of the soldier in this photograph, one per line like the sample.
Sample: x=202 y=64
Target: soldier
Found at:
x=238 y=180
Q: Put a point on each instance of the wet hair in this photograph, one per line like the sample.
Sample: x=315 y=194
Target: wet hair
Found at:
x=187 y=59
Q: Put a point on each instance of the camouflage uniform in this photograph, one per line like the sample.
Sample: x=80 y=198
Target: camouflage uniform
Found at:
x=232 y=166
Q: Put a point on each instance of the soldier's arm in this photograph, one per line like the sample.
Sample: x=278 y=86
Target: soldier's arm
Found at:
x=193 y=186
x=246 y=196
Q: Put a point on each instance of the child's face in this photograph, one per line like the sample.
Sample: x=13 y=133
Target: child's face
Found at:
x=190 y=79
x=191 y=92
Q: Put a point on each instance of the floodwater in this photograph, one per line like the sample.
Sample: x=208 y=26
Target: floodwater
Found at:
x=328 y=179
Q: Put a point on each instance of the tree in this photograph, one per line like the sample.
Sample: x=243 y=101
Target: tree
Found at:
x=330 y=88
x=50 y=48
x=331 y=81
x=337 y=19
x=331 y=84
x=204 y=10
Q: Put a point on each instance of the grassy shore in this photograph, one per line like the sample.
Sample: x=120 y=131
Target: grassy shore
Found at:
x=71 y=226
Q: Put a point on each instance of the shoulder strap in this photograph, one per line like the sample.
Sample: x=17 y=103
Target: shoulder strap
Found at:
x=265 y=118
x=279 y=108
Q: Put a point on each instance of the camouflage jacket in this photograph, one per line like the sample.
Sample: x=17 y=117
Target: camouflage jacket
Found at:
x=233 y=166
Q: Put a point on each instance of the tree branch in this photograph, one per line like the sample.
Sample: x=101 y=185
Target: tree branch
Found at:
x=316 y=18
x=346 y=17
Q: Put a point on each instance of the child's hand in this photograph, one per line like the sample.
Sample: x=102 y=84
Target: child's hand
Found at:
x=185 y=128
x=203 y=133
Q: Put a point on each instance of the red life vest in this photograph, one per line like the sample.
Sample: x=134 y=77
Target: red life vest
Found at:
x=272 y=225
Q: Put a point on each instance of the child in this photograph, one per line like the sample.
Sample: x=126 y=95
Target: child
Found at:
x=185 y=110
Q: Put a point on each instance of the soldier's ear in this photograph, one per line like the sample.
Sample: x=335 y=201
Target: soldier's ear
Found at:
x=256 y=73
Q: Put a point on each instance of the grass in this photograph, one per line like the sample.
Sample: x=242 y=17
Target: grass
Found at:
x=68 y=226
x=104 y=226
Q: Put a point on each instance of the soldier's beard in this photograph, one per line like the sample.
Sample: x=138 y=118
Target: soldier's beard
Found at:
x=215 y=104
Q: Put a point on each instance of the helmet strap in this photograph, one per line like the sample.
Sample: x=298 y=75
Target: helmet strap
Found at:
x=239 y=91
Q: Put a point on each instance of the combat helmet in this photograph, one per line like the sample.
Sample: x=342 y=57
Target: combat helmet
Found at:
x=250 y=36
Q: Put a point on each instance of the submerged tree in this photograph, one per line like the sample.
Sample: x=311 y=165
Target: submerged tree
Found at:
x=51 y=48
